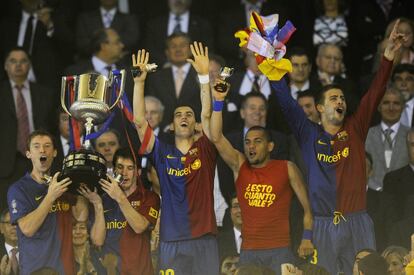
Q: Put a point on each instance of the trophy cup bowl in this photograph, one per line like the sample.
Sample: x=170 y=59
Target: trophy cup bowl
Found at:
x=222 y=86
x=90 y=104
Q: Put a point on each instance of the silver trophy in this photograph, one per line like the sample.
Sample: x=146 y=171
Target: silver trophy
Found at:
x=222 y=86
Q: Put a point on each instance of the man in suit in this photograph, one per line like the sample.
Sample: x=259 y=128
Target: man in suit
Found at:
x=178 y=19
x=403 y=79
x=386 y=142
x=44 y=33
x=26 y=107
x=176 y=85
x=9 y=248
x=107 y=16
x=229 y=240
x=398 y=199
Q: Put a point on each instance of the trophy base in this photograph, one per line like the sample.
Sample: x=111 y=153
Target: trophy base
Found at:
x=84 y=167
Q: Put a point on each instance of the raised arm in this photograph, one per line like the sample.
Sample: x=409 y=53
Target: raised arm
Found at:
x=296 y=182
x=201 y=65
x=233 y=158
x=140 y=61
x=30 y=223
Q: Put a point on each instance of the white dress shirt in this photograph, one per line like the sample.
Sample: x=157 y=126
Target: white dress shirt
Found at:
x=237 y=238
x=100 y=66
x=184 y=22
x=294 y=89
x=388 y=153
x=220 y=204
x=247 y=84
x=407 y=115
x=65 y=145
x=107 y=13
x=185 y=68
x=8 y=250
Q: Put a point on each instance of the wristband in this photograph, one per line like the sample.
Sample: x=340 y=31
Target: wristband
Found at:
x=307 y=234
x=218 y=106
x=203 y=78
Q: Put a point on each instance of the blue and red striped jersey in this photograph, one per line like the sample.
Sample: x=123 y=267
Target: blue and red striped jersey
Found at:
x=187 y=182
x=335 y=163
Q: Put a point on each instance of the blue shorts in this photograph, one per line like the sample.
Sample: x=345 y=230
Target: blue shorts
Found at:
x=271 y=258
x=338 y=244
x=188 y=257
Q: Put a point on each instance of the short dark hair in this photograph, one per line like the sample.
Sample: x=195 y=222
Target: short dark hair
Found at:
x=373 y=264
x=306 y=93
x=401 y=68
x=124 y=153
x=312 y=269
x=98 y=37
x=16 y=49
x=110 y=130
x=40 y=132
x=217 y=58
x=298 y=51
x=250 y=95
x=320 y=97
x=176 y=35
x=266 y=132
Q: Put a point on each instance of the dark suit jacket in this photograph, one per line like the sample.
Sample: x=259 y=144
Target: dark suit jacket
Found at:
x=226 y=243
x=401 y=233
x=161 y=85
x=397 y=202
x=156 y=33
x=126 y=25
x=226 y=178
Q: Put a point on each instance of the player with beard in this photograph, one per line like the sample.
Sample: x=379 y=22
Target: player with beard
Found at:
x=264 y=191
x=334 y=153
x=186 y=172
x=44 y=213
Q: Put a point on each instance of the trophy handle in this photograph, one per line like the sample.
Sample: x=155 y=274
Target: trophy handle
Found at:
x=121 y=91
x=62 y=95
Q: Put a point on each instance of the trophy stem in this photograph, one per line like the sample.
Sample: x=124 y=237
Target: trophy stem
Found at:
x=88 y=128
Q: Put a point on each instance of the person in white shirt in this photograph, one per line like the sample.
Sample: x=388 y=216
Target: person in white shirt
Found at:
x=11 y=255
x=301 y=69
x=403 y=80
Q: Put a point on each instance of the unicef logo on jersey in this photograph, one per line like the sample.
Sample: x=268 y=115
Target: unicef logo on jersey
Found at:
x=335 y=157
x=186 y=171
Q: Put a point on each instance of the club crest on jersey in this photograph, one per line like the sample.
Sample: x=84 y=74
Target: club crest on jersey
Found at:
x=193 y=151
x=342 y=136
x=185 y=171
x=135 y=204
x=153 y=213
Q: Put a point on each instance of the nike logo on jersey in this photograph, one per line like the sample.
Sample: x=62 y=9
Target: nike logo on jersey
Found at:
x=170 y=157
x=38 y=198
x=107 y=210
x=320 y=142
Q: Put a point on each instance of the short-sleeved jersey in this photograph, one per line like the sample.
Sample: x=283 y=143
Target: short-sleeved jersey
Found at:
x=264 y=195
x=133 y=250
x=335 y=163
x=187 y=182
x=49 y=245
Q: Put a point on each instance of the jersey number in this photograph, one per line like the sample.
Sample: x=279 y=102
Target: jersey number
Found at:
x=167 y=272
x=314 y=257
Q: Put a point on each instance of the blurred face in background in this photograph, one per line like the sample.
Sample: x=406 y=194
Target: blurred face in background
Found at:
x=179 y=6
x=178 y=50
x=153 y=113
x=404 y=82
x=395 y=263
x=308 y=105
x=79 y=233
x=107 y=144
x=330 y=60
x=301 y=69
x=254 y=112
x=390 y=108
x=17 y=65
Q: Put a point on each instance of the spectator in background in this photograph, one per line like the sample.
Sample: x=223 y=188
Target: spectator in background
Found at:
x=229 y=264
x=330 y=26
x=9 y=250
x=386 y=142
x=178 y=20
x=26 y=106
x=406 y=54
x=403 y=80
x=81 y=248
x=301 y=69
x=106 y=16
x=394 y=255
x=176 y=85
x=372 y=264
x=306 y=100
x=107 y=144
x=359 y=256
x=229 y=239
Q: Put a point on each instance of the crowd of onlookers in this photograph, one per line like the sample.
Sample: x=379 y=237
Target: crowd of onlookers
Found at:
x=336 y=41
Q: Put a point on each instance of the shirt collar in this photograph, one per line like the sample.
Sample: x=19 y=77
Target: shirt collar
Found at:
x=99 y=64
x=237 y=233
x=294 y=88
x=110 y=12
x=185 y=68
x=394 y=127
x=412 y=166
x=410 y=103
x=26 y=15
x=25 y=84
x=9 y=248
x=183 y=16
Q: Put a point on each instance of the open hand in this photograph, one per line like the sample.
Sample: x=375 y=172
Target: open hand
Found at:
x=92 y=197
x=201 y=61
x=57 y=188
x=112 y=188
x=140 y=61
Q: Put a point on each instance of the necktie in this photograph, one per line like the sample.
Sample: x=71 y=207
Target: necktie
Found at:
x=23 y=130
x=388 y=140
x=177 y=27
x=107 y=19
x=13 y=260
x=256 y=86
x=179 y=80
x=27 y=43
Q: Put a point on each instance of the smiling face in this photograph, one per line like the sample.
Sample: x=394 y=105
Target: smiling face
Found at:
x=79 y=233
x=253 y=112
x=390 y=108
x=333 y=108
x=257 y=148
x=41 y=152
x=184 y=122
